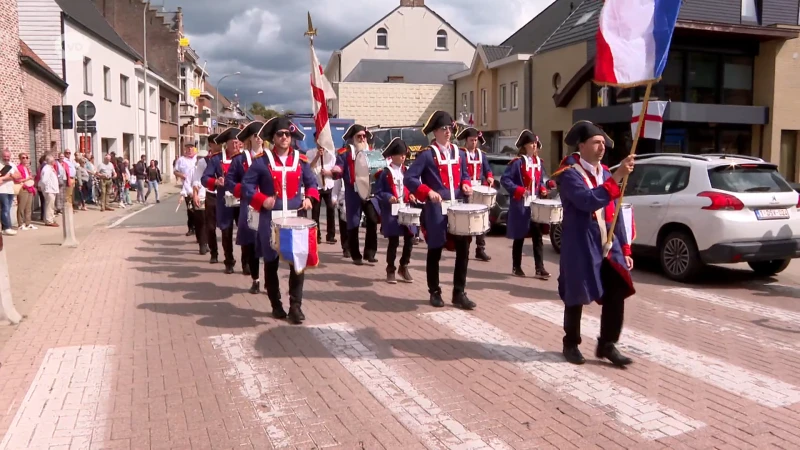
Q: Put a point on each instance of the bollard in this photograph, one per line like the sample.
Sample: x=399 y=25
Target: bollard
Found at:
x=9 y=312
x=69 y=226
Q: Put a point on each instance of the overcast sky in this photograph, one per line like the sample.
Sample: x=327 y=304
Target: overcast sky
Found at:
x=264 y=39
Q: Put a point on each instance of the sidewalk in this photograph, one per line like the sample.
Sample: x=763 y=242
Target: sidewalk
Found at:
x=35 y=257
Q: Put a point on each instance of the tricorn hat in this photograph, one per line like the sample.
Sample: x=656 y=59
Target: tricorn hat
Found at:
x=396 y=147
x=251 y=129
x=471 y=132
x=584 y=130
x=227 y=135
x=526 y=137
x=354 y=130
x=438 y=119
x=267 y=132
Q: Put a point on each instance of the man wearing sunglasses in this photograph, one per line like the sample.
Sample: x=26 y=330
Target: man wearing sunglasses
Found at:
x=359 y=137
x=429 y=178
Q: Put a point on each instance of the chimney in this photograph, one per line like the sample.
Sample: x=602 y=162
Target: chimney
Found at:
x=412 y=3
x=179 y=21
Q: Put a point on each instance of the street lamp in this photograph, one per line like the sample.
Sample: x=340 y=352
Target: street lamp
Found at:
x=146 y=84
x=219 y=91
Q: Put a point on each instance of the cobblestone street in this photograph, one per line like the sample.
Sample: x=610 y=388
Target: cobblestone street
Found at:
x=152 y=347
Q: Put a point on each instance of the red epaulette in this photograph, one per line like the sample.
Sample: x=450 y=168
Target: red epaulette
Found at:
x=342 y=150
x=512 y=161
x=303 y=158
x=214 y=153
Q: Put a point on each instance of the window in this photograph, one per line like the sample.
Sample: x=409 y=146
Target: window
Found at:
x=672 y=77
x=464 y=103
x=584 y=18
x=173 y=108
x=382 y=38
x=123 y=91
x=741 y=179
x=751 y=11
x=87 y=76
x=484 y=107
x=503 y=100
x=472 y=102
x=736 y=142
x=395 y=79
x=441 y=40
x=737 y=80
x=107 y=83
x=657 y=179
x=789 y=154
x=153 y=100
x=202 y=120
x=702 y=77
x=514 y=95
x=141 y=96
x=162 y=109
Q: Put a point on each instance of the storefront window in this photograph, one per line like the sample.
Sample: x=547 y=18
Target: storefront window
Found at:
x=672 y=78
x=737 y=84
x=735 y=141
x=702 y=77
x=701 y=140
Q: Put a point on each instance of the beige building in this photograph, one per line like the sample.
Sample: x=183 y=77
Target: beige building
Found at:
x=395 y=73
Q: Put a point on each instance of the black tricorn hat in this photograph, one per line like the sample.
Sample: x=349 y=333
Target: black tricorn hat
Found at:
x=526 y=137
x=438 y=119
x=211 y=138
x=354 y=130
x=251 y=129
x=471 y=132
x=227 y=135
x=584 y=130
x=267 y=132
x=396 y=147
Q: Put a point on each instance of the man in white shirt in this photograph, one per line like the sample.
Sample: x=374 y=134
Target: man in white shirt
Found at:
x=48 y=186
x=106 y=173
x=199 y=202
x=327 y=160
x=184 y=169
x=7 y=191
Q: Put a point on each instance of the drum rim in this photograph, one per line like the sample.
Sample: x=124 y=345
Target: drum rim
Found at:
x=480 y=190
x=279 y=222
x=547 y=202
x=469 y=207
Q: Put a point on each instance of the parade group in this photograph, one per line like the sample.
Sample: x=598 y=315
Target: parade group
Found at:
x=253 y=178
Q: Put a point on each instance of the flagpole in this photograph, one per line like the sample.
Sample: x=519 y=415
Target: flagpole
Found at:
x=645 y=102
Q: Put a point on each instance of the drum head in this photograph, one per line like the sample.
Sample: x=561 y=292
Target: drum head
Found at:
x=409 y=210
x=363 y=181
x=294 y=222
x=547 y=202
x=469 y=207
x=485 y=190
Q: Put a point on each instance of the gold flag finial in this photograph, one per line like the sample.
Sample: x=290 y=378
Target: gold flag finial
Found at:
x=311 y=30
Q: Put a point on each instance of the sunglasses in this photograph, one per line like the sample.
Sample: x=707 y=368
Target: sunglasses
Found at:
x=283 y=134
x=446 y=127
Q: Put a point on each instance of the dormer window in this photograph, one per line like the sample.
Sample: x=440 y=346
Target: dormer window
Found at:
x=441 y=40
x=383 y=38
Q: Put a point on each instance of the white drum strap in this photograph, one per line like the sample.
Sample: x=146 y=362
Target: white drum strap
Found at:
x=249 y=158
x=449 y=162
x=600 y=214
x=397 y=178
x=476 y=162
x=283 y=170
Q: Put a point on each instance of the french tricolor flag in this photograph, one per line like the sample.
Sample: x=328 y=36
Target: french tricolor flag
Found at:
x=299 y=247
x=633 y=40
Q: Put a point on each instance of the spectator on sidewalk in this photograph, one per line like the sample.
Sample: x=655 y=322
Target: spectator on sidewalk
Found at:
x=153 y=180
x=89 y=186
x=184 y=168
x=72 y=173
x=106 y=175
x=42 y=162
x=63 y=177
x=7 y=191
x=140 y=172
x=81 y=181
x=48 y=186
x=125 y=188
x=27 y=192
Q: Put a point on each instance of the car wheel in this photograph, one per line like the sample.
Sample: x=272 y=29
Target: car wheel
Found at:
x=555 y=237
x=679 y=257
x=767 y=268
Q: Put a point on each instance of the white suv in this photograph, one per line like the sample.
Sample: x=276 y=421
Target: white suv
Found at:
x=692 y=210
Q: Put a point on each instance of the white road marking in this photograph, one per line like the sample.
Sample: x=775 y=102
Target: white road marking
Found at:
x=67 y=401
x=759 y=388
x=126 y=217
x=264 y=383
x=413 y=409
x=647 y=417
x=717 y=327
x=768 y=312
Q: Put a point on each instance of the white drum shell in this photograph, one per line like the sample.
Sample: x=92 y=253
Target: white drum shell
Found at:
x=467 y=219
x=295 y=223
x=484 y=195
x=546 y=211
x=231 y=201
x=253 y=217
x=409 y=216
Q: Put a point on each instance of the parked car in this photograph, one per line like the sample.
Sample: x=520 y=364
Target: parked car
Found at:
x=694 y=210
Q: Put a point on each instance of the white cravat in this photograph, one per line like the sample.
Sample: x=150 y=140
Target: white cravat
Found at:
x=597 y=172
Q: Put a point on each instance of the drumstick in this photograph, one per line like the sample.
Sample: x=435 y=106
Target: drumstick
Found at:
x=180 y=200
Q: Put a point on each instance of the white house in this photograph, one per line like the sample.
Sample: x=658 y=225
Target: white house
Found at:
x=98 y=65
x=148 y=130
x=395 y=72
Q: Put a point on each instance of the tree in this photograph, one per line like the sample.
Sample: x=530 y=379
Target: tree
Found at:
x=259 y=109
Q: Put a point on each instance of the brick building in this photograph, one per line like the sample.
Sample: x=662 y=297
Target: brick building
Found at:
x=42 y=89
x=12 y=108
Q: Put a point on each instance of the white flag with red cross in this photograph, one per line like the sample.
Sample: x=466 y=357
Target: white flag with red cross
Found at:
x=321 y=92
x=653 y=119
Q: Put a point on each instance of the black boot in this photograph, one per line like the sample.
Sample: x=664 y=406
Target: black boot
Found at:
x=390 y=276
x=481 y=255
x=256 y=287
x=214 y=259
x=460 y=300
x=436 y=299
x=609 y=351
x=277 y=309
x=228 y=269
x=405 y=275
x=296 y=315
x=542 y=274
x=573 y=355
x=203 y=249
x=346 y=254
x=517 y=272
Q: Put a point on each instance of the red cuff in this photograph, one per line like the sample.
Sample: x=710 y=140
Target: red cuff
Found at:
x=465 y=184
x=211 y=184
x=489 y=175
x=337 y=174
x=542 y=192
x=626 y=250
x=237 y=190
x=422 y=192
x=258 y=201
x=519 y=193
x=612 y=187
x=312 y=193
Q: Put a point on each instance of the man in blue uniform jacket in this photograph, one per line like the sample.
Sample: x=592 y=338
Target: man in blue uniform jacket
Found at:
x=214 y=181
x=438 y=176
x=588 y=194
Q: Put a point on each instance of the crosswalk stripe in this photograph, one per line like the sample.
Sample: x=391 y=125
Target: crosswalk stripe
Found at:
x=716 y=327
x=759 y=388
x=649 y=418
x=768 y=312
x=412 y=408
x=263 y=382
x=66 y=402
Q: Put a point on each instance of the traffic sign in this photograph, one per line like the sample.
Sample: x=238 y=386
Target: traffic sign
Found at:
x=86 y=110
x=89 y=126
x=62 y=117
x=213 y=123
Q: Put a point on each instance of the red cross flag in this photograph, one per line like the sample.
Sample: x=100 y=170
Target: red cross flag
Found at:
x=653 y=119
x=321 y=92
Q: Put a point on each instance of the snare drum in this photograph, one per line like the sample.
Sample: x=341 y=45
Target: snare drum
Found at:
x=467 y=219
x=483 y=195
x=546 y=211
x=290 y=223
x=252 y=218
x=409 y=216
x=231 y=201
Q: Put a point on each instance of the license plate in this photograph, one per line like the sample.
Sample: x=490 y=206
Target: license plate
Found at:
x=771 y=214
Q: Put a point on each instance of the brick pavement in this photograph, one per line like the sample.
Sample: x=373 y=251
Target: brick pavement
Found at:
x=152 y=347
